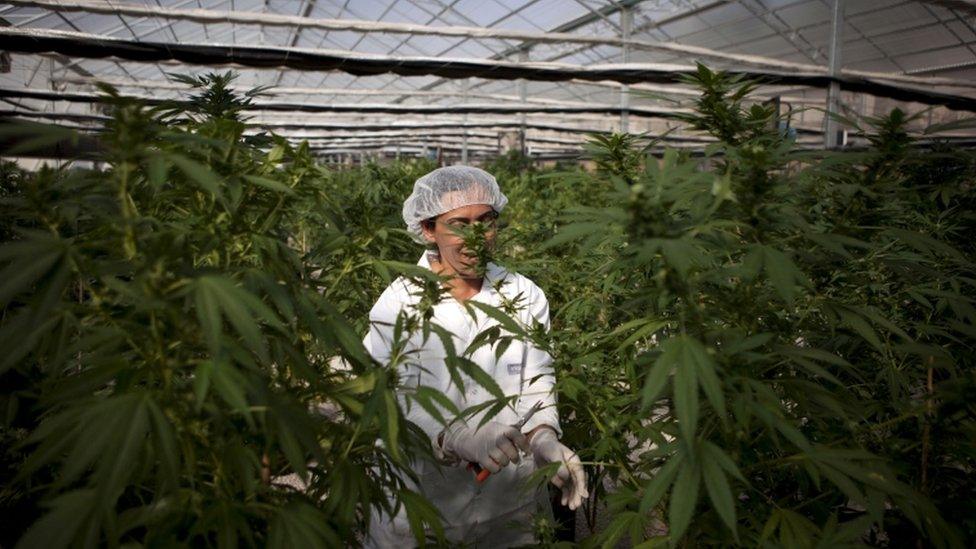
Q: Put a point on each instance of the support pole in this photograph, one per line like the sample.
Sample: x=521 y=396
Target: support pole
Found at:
x=626 y=21
x=523 y=94
x=464 y=141
x=831 y=127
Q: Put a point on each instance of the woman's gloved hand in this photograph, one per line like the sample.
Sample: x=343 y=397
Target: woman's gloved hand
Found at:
x=493 y=446
x=570 y=478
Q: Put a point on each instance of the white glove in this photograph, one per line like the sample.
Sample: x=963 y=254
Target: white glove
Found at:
x=570 y=478
x=493 y=446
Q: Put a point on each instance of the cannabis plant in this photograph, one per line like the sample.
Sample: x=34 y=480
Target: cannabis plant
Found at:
x=781 y=344
x=170 y=355
x=758 y=347
x=353 y=232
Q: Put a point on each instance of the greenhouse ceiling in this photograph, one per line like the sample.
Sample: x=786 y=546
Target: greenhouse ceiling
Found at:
x=370 y=75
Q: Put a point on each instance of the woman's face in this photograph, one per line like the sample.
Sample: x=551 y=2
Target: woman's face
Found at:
x=455 y=257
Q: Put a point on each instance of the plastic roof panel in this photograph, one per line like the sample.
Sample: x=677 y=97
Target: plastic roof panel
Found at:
x=548 y=14
x=726 y=14
x=751 y=27
x=715 y=38
x=880 y=35
x=482 y=12
x=400 y=11
x=766 y=45
x=908 y=41
x=964 y=31
x=368 y=9
x=864 y=52
x=683 y=27
x=803 y=14
x=896 y=18
x=948 y=57
x=880 y=65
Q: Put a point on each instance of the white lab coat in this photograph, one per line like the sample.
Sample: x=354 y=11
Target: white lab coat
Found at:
x=496 y=513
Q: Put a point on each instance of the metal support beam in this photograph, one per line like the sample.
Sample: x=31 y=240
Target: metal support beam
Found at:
x=566 y=27
x=297 y=34
x=63 y=59
x=794 y=38
x=464 y=139
x=964 y=6
x=626 y=22
x=523 y=93
x=560 y=34
x=833 y=92
x=639 y=30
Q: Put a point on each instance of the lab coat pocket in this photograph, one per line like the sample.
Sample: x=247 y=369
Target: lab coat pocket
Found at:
x=510 y=369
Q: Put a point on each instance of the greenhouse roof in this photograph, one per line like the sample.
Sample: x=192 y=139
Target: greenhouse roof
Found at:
x=408 y=72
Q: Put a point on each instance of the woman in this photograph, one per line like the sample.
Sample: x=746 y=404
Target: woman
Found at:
x=495 y=513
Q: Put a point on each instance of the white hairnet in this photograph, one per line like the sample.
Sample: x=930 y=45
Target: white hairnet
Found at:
x=447 y=188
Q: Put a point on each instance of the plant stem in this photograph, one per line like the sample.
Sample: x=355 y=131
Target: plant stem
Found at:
x=927 y=428
x=926 y=436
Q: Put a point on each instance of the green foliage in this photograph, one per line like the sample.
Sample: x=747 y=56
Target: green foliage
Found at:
x=355 y=220
x=758 y=347
x=171 y=352
x=787 y=331
x=511 y=164
x=615 y=153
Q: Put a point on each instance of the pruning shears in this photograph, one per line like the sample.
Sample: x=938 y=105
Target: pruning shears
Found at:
x=482 y=474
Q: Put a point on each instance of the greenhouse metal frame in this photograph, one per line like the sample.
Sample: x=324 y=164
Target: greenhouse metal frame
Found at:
x=581 y=65
x=724 y=246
